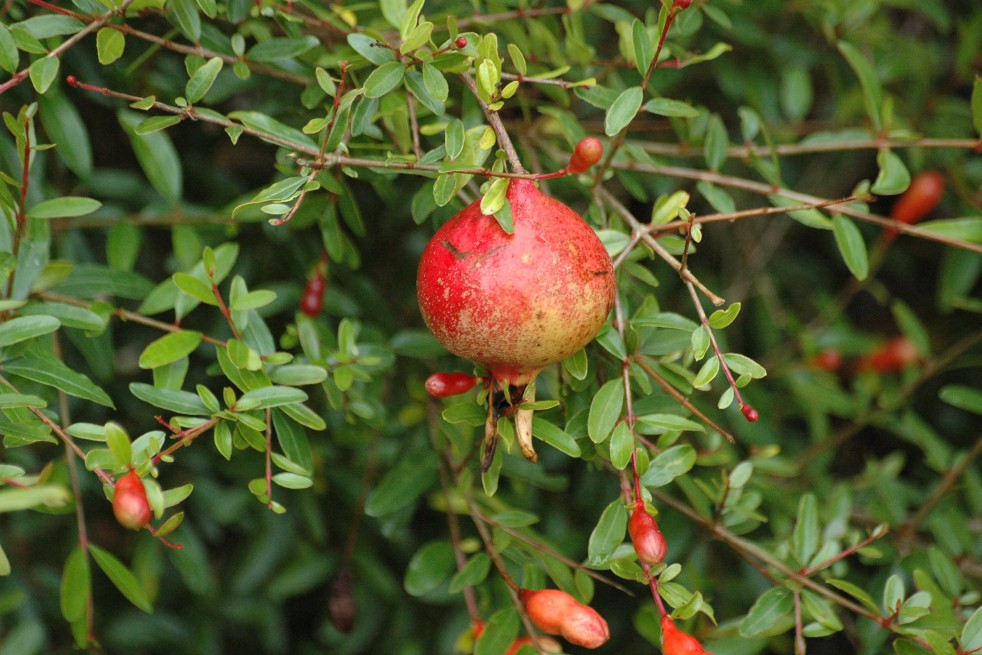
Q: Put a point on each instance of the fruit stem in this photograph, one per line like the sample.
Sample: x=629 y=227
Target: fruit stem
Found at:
x=499 y=128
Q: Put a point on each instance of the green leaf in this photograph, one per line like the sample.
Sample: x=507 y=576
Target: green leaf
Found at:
x=500 y=631
x=743 y=365
x=173 y=400
x=53 y=373
x=266 y=124
x=454 y=138
x=577 y=364
x=384 y=79
x=119 y=444
x=641 y=41
x=607 y=535
x=473 y=573
x=872 y=94
x=856 y=592
x=156 y=123
x=668 y=465
x=494 y=199
x=76 y=585
x=64 y=126
x=64 y=207
x=971 y=637
x=196 y=288
x=720 y=200
x=851 y=246
x=23 y=328
x=410 y=478
x=12 y=400
x=274 y=396
x=717 y=142
x=281 y=48
x=722 y=318
x=605 y=409
x=185 y=16
x=110 y=44
x=772 y=614
x=555 y=437
x=47 y=495
x=670 y=108
x=156 y=155
x=621 y=445
x=170 y=348
x=435 y=83
x=9 y=57
x=806 y=529
x=417 y=38
x=967 y=229
x=43 y=72
x=623 y=110
x=429 y=568
x=962 y=397
x=893 y=178
x=808 y=217
x=203 y=78
x=121 y=577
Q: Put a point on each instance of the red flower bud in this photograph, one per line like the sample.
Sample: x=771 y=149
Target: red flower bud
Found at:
x=892 y=357
x=461 y=42
x=829 y=359
x=442 y=385
x=923 y=195
x=130 y=502
x=749 y=413
x=313 y=294
x=587 y=153
x=649 y=543
x=556 y=612
x=676 y=642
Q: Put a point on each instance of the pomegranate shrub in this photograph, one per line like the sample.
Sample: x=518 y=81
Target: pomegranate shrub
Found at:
x=666 y=311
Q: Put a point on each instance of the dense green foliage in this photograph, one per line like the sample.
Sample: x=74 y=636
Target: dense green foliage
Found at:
x=173 y=172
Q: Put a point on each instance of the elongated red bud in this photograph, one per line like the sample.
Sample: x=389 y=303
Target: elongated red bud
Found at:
x=676 y=642
x=130 y=505
x=442 y=385
x=749 y=413
x=922 y=196
x=587 y=153
x=649 y=543
x=557 y=613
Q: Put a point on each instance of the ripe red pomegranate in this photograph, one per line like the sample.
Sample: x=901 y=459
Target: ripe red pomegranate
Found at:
x=515 y=303
x=649 y=542
x=130 y=504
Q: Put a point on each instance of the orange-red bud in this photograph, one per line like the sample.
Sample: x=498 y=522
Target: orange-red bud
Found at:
x=130 y=504
x=556 y=612
x=649 y=543
x=587 y=153
x=676 y=642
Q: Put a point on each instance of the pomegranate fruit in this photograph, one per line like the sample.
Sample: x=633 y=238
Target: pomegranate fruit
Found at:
x=556 y=612
x=130 y=505
x=649 y=542
x=515 y=303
